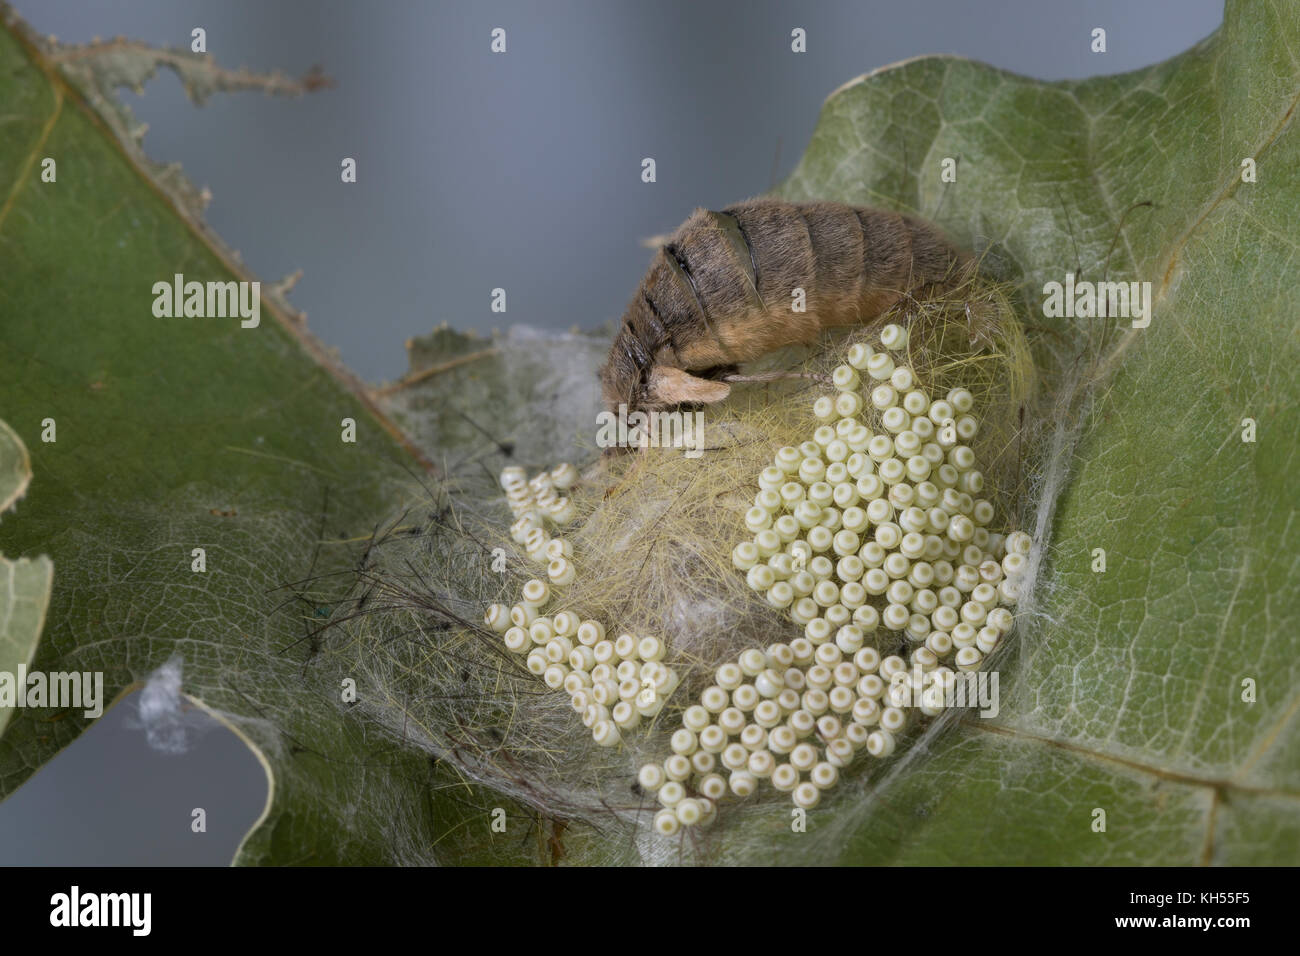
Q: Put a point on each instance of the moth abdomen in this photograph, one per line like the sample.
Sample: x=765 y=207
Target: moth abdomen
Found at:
x=730 y=286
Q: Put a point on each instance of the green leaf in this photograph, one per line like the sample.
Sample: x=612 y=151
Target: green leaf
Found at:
x=25 y=583
x=15 y=468
x=530 y=394
x=183 y=434
x=1126 y=694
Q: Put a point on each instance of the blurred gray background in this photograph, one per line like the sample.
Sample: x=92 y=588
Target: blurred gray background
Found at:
x=518 y=170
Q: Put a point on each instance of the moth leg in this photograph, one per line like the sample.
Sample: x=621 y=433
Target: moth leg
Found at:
x=776 y=377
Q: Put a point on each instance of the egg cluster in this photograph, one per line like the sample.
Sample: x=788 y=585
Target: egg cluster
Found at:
x=612 y=684
x=536 y=502
x=855 y=533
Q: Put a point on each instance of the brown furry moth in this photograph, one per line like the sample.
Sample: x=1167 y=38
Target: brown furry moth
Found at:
x=721 y=291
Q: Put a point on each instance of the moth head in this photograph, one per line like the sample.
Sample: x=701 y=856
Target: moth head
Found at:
x=631 y=378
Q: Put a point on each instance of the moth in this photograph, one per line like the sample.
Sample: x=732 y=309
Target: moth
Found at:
x=725 y=288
